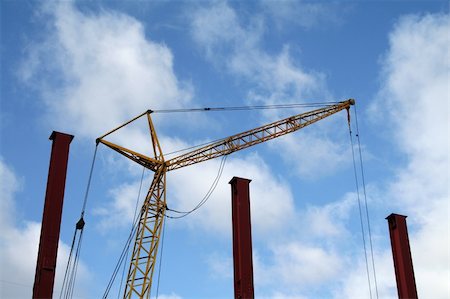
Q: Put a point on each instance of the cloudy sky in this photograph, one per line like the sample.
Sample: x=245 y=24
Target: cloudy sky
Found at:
x=84 y=67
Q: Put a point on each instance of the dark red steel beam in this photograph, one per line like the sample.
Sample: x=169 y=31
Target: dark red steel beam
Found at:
x=242 y=239
x=51 y=218
x=401 y=252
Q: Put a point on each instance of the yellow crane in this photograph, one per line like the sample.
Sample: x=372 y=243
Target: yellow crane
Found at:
x=151 y=217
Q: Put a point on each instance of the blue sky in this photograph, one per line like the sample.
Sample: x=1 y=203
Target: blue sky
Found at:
x=84 y=67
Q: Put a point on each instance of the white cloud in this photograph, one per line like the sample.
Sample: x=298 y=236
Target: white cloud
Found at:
x=107 y=70
x=220 y=266
x=305 y=151
x=19 y=241
x=281 y=295
x=306 y=14
x=306 y=266
x=330 y=220
x=120 y=212
x=236 y=45
x=10 y=185
x=227 y=42
x=354 y=284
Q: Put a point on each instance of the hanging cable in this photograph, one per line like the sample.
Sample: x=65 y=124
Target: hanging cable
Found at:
x=253 y=107
x=124 y=254
x=360 y=210
x=160 y=259
x=69 y=260
x=121 y=258
x=89 y=182
x=206 y=197
x=76 y=262
x=365 y=202
x=70 y=274
x=131 y=230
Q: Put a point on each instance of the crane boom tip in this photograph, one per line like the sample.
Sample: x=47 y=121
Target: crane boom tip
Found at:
x=352 y=101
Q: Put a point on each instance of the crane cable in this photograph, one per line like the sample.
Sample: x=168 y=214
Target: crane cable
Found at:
x=160 y=259
x=237 y=108
x=242 y=108
x=132 y=230
x=125 y=250
x=365 y=204
x=365 y=201
x=70 y=274
x=205 y=198
x=360 y=211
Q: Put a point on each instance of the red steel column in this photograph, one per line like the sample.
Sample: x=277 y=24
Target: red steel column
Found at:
x=242 y=239
x=51 y=218
x=404 y=271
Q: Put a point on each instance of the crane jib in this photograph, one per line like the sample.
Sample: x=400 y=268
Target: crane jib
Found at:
x=152 y=213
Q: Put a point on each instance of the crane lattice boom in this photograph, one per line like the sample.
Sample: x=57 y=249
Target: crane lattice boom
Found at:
x=143 y=258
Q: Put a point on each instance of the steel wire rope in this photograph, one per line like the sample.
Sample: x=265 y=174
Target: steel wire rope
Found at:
x=134 y=217
x=68 y=262
x=126 y=247
x=238 y=108
x=68 y=284
x=121 y=258
x=76 y=262
x=160 y=258
x=365 y=201
x=205 y=198
x=251 y=107
x=192 y=147
x=360 y=211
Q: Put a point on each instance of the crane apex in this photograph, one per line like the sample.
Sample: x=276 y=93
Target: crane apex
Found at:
x=352 y=101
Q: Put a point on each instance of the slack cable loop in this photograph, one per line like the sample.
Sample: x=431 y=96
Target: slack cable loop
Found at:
x=207 y=195
x=360 y=212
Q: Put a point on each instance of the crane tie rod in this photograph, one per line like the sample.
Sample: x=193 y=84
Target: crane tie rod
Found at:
x=251 y=107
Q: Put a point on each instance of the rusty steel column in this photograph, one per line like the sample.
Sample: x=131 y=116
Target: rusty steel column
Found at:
x=404 y=271
x=242 y=239
x=51 y=218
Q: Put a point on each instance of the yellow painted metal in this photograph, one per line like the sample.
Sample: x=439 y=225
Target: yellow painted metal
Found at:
x=143 y=260
x=155 y=142
x=145 y=251
x=255 y=136
x=124 y=124
x=145 y=161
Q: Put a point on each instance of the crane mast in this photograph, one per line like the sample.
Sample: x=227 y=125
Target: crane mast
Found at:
x=152 y=213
